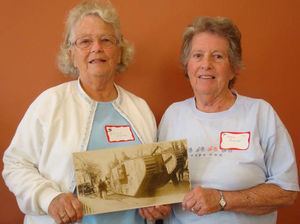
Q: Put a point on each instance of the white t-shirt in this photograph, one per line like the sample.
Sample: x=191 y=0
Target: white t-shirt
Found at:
x=232 y=150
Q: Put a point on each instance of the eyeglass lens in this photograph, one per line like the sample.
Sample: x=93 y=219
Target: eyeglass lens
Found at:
x=104 y=41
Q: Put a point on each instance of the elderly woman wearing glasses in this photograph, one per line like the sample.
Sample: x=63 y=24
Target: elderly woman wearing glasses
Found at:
x=72 y=117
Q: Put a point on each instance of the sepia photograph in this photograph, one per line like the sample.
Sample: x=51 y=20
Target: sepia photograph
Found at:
x=115 y=179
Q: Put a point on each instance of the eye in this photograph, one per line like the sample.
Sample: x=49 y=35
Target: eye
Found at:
x=84 y=42
x=197 y=56
x=105 y=40
x=108 y=41
x=218 y=56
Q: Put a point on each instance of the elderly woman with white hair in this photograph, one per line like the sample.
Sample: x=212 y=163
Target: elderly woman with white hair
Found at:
x=73 y=117
x=241 y=158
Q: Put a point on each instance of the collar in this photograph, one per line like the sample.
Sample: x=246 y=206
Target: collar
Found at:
x=89 y=100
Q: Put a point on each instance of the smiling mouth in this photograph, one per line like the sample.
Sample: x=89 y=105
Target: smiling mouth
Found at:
x=97 y=61
x=206 y=77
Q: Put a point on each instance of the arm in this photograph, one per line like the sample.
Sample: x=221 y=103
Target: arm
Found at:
x=21 y=167
x=259 y=200
x=30 y=162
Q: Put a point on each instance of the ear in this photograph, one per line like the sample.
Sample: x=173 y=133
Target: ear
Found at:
x=186 y=72
x=120 y=55
x=71 y=53
x=236 y=71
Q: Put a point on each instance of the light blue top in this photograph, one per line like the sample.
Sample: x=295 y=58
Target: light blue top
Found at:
x=232 y=150
x=106 y=115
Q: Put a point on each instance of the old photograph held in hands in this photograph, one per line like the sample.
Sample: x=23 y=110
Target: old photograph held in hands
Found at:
x=123 y=178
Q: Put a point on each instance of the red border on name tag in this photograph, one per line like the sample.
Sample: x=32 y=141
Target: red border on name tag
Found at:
x=235 y=133
x=119 y=126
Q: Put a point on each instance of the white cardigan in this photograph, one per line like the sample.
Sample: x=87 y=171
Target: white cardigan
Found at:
x=38 y=163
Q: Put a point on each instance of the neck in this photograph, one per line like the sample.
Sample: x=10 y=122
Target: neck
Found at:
x=214 y=104
x=100 y=91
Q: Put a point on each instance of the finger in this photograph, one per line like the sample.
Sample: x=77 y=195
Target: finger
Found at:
x=71 y=215
x=192 y=206
x=55 y=209
x=189 y=201
x=57 y=218
x=148 y=214
x=165 y=210
x=74 y=209
x=187 y=197
x=78 y=209
x=64 y=208
x=65 y=218
x=160 y=211
x=155 y=213
x=67 y=207
x=195 y=209
x=141 y=211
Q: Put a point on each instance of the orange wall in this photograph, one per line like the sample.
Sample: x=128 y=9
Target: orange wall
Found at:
x=31 y=32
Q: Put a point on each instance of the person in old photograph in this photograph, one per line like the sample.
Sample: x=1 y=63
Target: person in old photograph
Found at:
x=102 y=188
x=241 y=157
x=75 y=116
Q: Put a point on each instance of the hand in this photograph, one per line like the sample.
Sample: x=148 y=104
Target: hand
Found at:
x=65 y=209
x=156 y=212
x=202 y=201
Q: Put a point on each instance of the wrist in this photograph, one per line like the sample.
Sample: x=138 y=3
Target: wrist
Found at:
x=222 y=201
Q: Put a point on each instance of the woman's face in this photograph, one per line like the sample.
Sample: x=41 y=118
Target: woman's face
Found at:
x=96 y=62
x=208 y=68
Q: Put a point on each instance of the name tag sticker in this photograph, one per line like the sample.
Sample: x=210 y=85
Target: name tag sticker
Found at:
x=119 y=133
x=235 y=140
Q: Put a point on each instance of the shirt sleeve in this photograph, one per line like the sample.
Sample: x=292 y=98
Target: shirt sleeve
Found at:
x=280 y=159
x=21 y=161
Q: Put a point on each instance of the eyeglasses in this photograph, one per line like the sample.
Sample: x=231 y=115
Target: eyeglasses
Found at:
x=87 y=42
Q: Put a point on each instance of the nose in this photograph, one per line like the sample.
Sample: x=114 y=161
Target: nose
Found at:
x=96 y=47
x=206 y=63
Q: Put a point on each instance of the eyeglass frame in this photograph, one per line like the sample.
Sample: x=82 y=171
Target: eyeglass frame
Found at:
x=74 y=43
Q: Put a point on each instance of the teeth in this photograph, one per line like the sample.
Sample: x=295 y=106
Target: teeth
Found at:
x=206 y=77
x=96 y=61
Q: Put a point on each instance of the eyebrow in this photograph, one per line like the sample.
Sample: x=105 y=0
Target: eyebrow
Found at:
x=201 y=51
